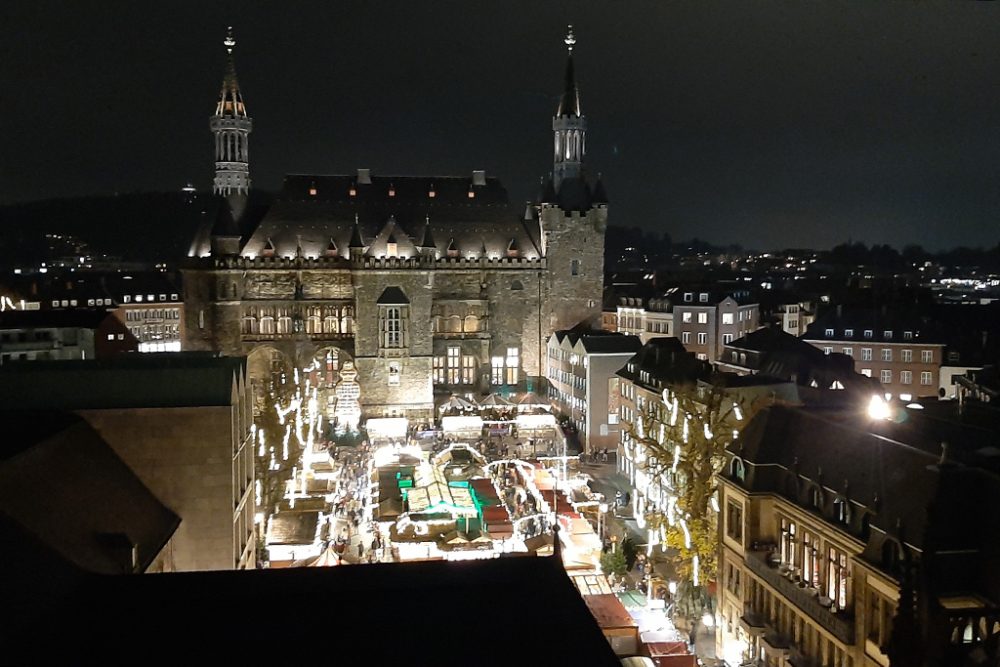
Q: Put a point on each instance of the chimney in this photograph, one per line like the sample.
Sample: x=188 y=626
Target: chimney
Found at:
x=364 y=176
x=479 y=177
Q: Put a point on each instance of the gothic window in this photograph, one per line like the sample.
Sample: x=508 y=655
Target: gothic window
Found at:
x=574 y=267
x=392 y=327
x=249 y=325
x=471 y=324
x=267 y=325
x=454 y=324
x=346 y=324
x=513 y=365
x=314 y=325
x=284 y=324
x=330 y=324
x=454 y=360
x=496 y=370
x=468 y=369
x=438 y=370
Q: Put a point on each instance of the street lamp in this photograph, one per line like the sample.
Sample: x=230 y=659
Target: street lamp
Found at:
x=601 y=509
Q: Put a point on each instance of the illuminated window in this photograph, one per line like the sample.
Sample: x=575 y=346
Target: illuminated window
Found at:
x=312 y=192
x=886 y=354
x=849 y=333
x=686 y=317
x=454 y=364
x=836 y=580
x=927 y=356
x=513 y=364
x=686 y=337
x=885 y=376
x=438 y=370
x=392 y=191
x=727 y=318
x=702 y=318
x=468 y=369
x=432 y=194
x=391 y=249
x=472 y=194
x=496 y=370
x=702 y=338
x=866 y=354
x=848 y=351
x=926 y=378
x=906 y=377
x=906 y=355
x=352 y=192
x=393 y=327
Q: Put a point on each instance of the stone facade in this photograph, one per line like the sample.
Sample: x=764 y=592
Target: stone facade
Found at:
x=476 y=285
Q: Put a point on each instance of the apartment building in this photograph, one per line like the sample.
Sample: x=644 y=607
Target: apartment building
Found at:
x=36 y=335
x=834 y=528
x=706 y=319
x=895 y=351
x=583 y=385
x=646 y=318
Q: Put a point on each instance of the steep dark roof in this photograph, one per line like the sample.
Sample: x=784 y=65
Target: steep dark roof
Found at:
x=156 y=380
x=597 y=341
x=878 y=321
x=392 y=296
x=569 y=103
x=449 y=613
x=62 y=482
x=225 y=222
x=487 y=216
x=574 y=194
x=599 y=196
x=667 y=362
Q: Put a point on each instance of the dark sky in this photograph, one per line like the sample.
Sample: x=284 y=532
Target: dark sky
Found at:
x=763 y=123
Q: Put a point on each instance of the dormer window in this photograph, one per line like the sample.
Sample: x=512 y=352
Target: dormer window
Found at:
x=431 y=193
x=829 y=333
x=907 y=335
x=703 y=297
x=353 y=192
x=392 y=190
x=391 y=249
x=848 y=333
x=887 y=334
x=312 y=191
x=688 y=297
x=869 y=333
x=472 y=194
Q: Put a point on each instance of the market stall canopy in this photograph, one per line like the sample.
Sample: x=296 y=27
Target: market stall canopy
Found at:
x=328 y=558
x=457 y=403
x=495 y=401
x=531 y=401
x=540 y=422
x=472 y=424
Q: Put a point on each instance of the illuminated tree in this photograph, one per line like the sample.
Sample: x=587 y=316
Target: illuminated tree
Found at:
x=281 y=451
x=680 y=442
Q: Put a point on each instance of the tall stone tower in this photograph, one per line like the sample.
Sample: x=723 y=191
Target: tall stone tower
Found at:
x=231 y=126
x=572 y=216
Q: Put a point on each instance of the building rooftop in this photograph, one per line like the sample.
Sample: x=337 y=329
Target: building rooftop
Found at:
x=156 y=380
x=60 y=481
x=422 y=613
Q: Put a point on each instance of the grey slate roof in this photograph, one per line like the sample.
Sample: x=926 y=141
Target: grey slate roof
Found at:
x=83 y=318
x=157 y=380
x=61 y=481
x=486 y=218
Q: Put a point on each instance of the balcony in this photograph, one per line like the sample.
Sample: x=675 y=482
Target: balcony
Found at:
x=839 y=624
x=327 y=336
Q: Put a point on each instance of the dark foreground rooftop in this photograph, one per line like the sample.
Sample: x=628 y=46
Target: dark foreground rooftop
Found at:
x=510 y=611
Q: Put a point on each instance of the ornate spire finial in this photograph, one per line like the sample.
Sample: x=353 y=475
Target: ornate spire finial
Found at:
x=570 y=39
x=230 y=41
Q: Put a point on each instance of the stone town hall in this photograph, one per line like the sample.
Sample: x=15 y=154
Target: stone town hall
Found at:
x=428 y=284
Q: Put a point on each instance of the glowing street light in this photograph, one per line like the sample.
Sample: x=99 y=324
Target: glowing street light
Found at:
x=879 y=409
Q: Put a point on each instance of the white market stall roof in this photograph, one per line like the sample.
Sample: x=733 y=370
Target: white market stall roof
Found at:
x=495 y=401
x=431 y=491
x=462 y=424
x=536 y=422
x=457 y=403
x=387 y=427
x=532 y=400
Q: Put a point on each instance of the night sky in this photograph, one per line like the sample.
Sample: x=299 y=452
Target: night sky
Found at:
x=770 y=124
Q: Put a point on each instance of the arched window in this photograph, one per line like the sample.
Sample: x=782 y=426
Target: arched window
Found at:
x=330 y=324
x=314 y=325
x=737 y=470
x=816 y=497
x=284 y=324
x=249 y=324
x=267 y=325
x=454 y=324
x=347 y=324
x=471 y=324
x=841 y=510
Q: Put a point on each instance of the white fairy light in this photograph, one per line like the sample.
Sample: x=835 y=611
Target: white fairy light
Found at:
x=738 y=413
x=708 y=433
x=695 y=567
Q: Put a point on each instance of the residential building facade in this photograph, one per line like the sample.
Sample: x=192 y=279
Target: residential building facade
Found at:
x=705 y=320
x=583 y=384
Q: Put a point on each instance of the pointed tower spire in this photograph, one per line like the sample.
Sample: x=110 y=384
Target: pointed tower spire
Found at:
x=231 y=126
x=569 y=124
